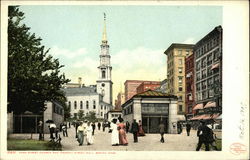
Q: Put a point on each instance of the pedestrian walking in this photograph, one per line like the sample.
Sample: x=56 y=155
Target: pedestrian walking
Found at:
x=212 y=138
x=162 y=131
x=64 y=129
x=122 y=133
x=115 y=133
x=135 y=130
x=188 y=128
x=69 y=124
x=203 y=134
x=52 y=130
x=89 y=134
x=99 y=125
x=40 y=130
x=77 y=124
x=179 y=127
x=141 y=131
x=80 y=134
x=103 y=126
x=127 y=126
x=93 y=128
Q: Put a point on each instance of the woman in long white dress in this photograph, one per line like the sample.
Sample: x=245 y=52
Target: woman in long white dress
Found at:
x=89 y=134
x=115 y=133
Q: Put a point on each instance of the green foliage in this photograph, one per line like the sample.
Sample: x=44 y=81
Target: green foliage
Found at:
x=20 y=144
x=33 y=75
x=80 y=114
x=91 y=117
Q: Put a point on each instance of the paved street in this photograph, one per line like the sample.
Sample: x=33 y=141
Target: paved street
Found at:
x=150 y=142
x=102 y=142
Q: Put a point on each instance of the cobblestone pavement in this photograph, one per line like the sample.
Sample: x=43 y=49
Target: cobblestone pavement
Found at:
x=102 y=142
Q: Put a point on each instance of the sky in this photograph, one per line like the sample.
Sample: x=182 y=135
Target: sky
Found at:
x=137 y=35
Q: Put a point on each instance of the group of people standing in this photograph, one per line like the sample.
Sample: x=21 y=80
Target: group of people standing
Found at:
x=85 y=132
x=118 y=133
x=119 y=130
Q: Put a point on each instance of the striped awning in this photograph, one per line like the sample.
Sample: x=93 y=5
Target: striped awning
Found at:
x=217 y=116
x=210 y=104
x=198 y=106
x=216 y=65
x=198 y=117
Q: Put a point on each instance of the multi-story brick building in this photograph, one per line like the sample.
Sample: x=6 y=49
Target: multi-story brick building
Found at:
x=130 y=88
x=189 y=78
x=176 y=55
x=208 y=68
x=148 y=85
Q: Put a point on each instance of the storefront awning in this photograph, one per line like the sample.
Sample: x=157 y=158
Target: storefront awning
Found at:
x=214 y=66
x=207 y=116
x=210 y=104
x=198 y=117
x=198 y=106
x=217 y=116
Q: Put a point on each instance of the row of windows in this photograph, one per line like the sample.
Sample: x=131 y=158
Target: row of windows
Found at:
x=207 y=83
x=180 y=53
x=128 y=110
x=57 y=110
x=207 y=47
x=75 y=114
x=204 y=94
x=87 y=105
x=208 y=60
x=205 y=73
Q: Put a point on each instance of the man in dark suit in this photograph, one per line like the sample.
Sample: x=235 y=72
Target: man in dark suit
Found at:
x=134 y=130
x=188 y=128
x=203 y=134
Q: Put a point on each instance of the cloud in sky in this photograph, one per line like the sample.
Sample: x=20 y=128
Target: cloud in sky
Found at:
x=190 y=40
x=66 y=53
x=137 y=64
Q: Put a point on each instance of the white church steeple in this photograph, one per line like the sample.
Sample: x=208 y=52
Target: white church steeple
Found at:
x=104 y=82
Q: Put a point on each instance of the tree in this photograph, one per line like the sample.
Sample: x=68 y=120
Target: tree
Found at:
x=80 y=114
x=33 y=75
x=91 y=116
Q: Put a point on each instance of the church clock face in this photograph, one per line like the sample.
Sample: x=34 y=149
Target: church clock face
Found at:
x=103 y=84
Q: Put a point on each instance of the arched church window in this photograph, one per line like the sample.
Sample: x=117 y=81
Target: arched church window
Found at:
x=75 y=104
x=87 y=104
x=103 y=74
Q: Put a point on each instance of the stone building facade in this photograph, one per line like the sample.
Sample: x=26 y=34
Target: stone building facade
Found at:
x=208 y=71
x=151 y=107
x=176 y=55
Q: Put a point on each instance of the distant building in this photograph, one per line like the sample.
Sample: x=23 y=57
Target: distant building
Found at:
x=208 y=76
x=87 y=100
x=120 y=100
x=163 y=86
x=148 y=85
x=151 y=107
x=176 y=55
x=189 y=78
x=114 y=114
x=131 y=87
